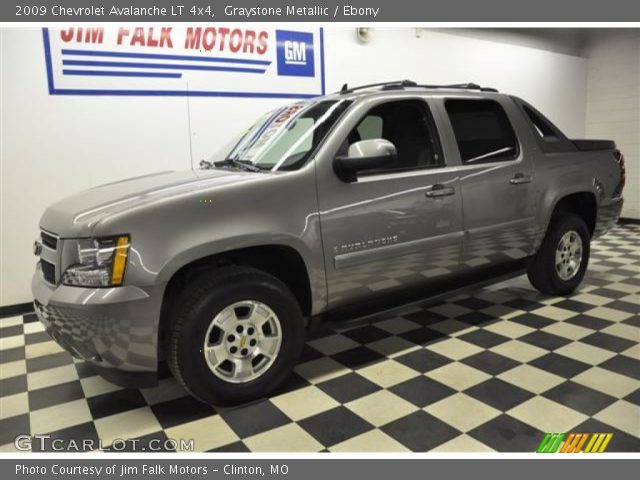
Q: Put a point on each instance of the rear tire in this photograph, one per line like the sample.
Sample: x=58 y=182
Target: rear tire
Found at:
x=561 y=262
x=233 y=314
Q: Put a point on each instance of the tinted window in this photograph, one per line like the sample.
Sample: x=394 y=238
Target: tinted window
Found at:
x=482 y=131
x=409 y=126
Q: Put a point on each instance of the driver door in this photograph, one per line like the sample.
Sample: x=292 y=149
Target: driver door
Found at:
x=396 y=227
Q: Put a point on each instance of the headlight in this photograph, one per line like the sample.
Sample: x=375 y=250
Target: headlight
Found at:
x=102 y=262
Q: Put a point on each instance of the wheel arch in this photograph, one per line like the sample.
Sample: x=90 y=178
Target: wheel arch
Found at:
x=282 y=261
x=581 y=203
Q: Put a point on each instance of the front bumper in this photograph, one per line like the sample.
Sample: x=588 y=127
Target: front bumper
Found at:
x=113 y=329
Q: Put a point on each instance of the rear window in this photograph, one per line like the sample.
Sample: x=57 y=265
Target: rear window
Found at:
x=482 y=131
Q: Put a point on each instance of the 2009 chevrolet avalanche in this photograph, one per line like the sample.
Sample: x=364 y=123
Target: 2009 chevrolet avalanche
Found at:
x=362 y=200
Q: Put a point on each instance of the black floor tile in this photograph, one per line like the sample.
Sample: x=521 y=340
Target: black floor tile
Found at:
x=608 y=342
x=423 y=360
x=366 y=334
x=13 y=385
x=573 y=305
x=358 y=357
x=490 y=362
x=423 y=336
x=39 y=337
x=499 y=394
x=152 y=442
x=476 y=318
x=234 y=447
x=545 y=340
x=532 y=320
x=507 y=434
x=292 y=383
x=11 y=427
x=335 y=426
x=587 y=321
x=420 y=432
x=620 y=442
x=11 y=355
x=633 y=321
x=48 y=361
x=422 y=391
x=181 y=410
x=624 y=365
x=580 y=398
x=634 y=397
x=79 y=438
x=523 y=304
x=346 y=388
x=560 y=365
x=112 y=403
x=84 y=370
x=474 y=303
x=484 y=338
x=55 y=395
x=309 y=353
x=608 y=292
x=425 y=317
x=12 y=331
x=29 y=318
x=624 y=306
x=248 y=420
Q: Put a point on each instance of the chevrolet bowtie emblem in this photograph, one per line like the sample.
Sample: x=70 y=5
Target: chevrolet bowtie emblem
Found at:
x=243 y=341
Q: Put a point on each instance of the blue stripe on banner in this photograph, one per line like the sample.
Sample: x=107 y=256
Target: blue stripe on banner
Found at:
x=99 y=53
x=111 y=73
x=178 y=93
x=92 y=63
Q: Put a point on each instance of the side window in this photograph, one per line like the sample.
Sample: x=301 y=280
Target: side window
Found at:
x=409 y=126
x=370 y=127
x=482 y=131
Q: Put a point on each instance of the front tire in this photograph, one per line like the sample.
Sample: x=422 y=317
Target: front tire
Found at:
x=561 y=262
x=235 y=335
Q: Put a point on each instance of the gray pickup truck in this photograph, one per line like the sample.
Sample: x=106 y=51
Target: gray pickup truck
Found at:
x=323 y=210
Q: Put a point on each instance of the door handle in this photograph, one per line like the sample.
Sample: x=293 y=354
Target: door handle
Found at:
x=439 y=190
x=519 y=179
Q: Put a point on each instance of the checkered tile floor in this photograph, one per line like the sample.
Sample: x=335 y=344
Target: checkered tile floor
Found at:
x=488 y=372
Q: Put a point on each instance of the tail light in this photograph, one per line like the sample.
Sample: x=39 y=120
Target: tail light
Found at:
x=617 y=154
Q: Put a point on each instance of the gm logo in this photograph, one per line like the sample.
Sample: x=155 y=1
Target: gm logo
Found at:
x=295 y=53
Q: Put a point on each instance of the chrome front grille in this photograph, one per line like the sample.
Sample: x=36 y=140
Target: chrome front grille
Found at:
x=50 y=256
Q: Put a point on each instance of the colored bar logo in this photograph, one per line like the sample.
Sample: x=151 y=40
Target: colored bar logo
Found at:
x=574 y=442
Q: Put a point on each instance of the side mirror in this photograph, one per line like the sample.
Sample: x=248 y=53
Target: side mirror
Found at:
x=365 y=155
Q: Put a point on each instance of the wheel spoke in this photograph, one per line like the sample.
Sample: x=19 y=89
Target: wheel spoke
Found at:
x=216 y=354
x=269 y=345
x=242 y=368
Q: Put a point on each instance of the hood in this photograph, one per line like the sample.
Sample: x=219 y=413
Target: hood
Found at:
x=78 y=214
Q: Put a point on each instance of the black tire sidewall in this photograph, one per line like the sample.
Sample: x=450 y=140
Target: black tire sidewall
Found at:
x=194 y=370
x=561 y=227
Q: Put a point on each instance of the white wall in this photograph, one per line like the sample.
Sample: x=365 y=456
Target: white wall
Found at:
x=51 y=146
x=613 y=101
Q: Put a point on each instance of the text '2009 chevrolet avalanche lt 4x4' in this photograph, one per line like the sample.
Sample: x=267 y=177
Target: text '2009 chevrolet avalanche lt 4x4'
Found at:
x=331 y=208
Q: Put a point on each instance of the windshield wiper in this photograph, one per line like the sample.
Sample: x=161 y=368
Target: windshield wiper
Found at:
x=206 y=164
x=243 y=164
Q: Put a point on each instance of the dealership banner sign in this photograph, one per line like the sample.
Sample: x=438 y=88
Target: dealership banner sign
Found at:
x=223 y=61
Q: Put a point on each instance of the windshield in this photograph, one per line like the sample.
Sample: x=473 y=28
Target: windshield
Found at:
x=285 y=138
